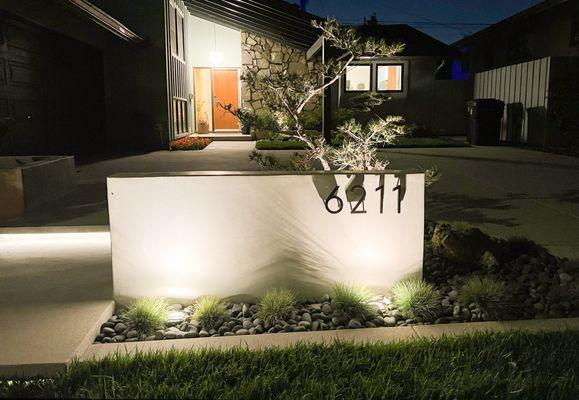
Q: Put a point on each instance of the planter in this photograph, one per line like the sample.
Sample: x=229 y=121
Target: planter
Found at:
x=237 y=234
x=29 y=181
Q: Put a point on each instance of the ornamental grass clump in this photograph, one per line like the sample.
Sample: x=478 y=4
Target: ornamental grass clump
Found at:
x=353 y=301
x=209 y=310
x=276 y=305
x=488 y=294
x=147 y=315
x=416 y=299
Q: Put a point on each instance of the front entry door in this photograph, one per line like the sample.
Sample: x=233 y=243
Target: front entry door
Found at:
x=226 y=91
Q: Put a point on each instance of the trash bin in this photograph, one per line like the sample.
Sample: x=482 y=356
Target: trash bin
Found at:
x=485 y=121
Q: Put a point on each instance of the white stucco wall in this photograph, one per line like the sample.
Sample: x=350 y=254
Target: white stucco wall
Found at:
x=205 y=36
x=237 y=234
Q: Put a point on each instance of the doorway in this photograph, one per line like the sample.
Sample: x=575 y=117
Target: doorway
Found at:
x=214 y=86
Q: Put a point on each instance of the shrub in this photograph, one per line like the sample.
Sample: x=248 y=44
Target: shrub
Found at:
x=147 y=314
x=276 y=305
x=266 y=120
x=416 y=299
x=488 y=294
x=189 y=143
x=312 y=120
x=209 y=310
x=352 y=300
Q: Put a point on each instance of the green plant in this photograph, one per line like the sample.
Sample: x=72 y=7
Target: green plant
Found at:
x=479 y=366
x=353 y=300
x=267 y=120
x=312 y=119
x=147 y=314
x=276 y=304
x=416 y=299
x=487 y=293
x=209 y=310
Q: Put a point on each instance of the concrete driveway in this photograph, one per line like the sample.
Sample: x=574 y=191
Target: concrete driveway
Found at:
x=505 y=191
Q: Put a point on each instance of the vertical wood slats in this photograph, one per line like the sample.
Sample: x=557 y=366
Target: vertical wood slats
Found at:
x=525 y=83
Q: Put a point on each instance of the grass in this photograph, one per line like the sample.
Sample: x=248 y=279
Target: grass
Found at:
x=280 y=145
x=401 y=142
x=409 y=142
x=352 y=300
x=481 y=366
x=487 y=293
x=209 y=310
x=276 y=305
x=416 y=299
x=146 y=315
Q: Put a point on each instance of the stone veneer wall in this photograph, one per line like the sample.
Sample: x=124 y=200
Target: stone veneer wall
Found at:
x=271 y=57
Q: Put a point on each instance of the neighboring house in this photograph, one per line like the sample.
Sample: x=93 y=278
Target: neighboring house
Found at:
x=417 y=82
x=529 y=61
x=104 y=76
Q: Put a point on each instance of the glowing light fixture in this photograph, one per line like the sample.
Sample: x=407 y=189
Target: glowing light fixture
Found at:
x=215 y=56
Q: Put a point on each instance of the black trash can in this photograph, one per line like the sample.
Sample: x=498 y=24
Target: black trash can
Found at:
x=485 y=121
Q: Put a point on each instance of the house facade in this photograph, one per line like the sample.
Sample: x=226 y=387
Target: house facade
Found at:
x=92 y=77
x=417 y=83
x=529 y=61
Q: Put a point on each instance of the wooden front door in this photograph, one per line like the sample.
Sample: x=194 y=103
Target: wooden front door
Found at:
x=226 y=91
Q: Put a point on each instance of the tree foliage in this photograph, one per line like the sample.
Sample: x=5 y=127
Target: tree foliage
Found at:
x=291 y=92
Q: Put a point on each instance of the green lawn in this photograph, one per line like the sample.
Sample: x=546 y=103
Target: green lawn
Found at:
x=408 y=142
x=401 y=142
x=481 y=366
x=280 y=145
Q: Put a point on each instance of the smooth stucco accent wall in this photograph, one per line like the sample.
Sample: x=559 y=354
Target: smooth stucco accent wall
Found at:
x=205 y=36
x=239 y=234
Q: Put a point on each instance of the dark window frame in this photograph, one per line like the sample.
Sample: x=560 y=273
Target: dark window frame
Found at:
x=371 y=83
x=382 y=64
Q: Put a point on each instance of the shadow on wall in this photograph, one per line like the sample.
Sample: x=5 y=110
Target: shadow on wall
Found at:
x=302 y=262
x=457 y=207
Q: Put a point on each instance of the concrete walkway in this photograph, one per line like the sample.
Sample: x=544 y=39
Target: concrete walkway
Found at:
x=55 y=292
x=366 y=335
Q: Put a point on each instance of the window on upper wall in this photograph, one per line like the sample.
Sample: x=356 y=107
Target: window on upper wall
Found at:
x=177 y=32
x=173 y=30
x=358 y=78
x=389 y=78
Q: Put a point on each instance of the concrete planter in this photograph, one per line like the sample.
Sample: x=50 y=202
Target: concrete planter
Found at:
x=237 y=234
x=28 y=181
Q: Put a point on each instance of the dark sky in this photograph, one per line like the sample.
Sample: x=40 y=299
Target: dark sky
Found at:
x=446 y=20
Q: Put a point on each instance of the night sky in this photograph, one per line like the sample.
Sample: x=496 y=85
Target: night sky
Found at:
x=446 y=20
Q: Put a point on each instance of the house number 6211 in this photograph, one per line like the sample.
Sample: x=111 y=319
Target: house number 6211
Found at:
x=336 y=206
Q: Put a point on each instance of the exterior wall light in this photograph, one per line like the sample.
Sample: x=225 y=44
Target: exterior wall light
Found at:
x=216 y=58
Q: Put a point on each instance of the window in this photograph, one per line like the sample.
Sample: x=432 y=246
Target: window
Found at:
x=177 y=32
x=358 y=78
x=180 y=120
x=389 y=78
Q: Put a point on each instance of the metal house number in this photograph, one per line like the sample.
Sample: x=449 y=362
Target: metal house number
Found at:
x=358 y=207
